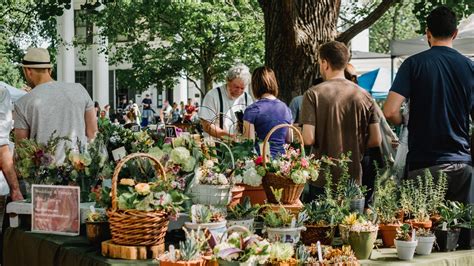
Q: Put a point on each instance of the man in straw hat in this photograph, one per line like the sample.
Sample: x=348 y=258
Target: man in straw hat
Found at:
x=52 y=106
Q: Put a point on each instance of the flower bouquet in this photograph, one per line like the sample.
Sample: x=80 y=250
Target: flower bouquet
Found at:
x=142 y=207
x=289 y=171
x=242 y=247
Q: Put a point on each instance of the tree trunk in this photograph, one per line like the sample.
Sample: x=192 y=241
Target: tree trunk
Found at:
x=208 y=80
x=294 y=29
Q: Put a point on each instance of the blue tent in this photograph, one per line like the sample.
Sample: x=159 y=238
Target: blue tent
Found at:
x=377 y=82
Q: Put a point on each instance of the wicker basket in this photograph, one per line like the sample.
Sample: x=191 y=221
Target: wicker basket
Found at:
x=291 y=191
x=134 y=227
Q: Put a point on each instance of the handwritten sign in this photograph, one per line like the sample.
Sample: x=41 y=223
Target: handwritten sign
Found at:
x=171 y=131
x=55 y=210
x=119 y=153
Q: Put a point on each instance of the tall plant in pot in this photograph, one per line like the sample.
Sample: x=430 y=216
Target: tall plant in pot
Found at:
x=414 y=201
x=242 y=214
x=426 y=239
x=362 y=237
x=355 y=194
x=405 y=244
x=385 y=205
x=447 y=232
x=207 y=217
x=320 y=224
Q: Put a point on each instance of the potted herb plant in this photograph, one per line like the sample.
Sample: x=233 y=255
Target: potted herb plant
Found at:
x=97 y=227
x=385 y=205
x=189 y=253
x=405 y=244
x=320 y=223
x=242 y=214
x=414 y=201
x=447 y=232
x=426 y=239
x=242 y=247
x=207 y=217
x=281 y=254
x=356 y=196
x=362 y=237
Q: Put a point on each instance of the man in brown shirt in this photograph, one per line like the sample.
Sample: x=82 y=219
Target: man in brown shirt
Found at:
x=337 y=115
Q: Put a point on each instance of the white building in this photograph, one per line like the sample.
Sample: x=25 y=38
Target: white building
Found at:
x=92 y=69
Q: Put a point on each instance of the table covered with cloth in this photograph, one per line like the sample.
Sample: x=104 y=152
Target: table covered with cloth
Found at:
x=33 y=249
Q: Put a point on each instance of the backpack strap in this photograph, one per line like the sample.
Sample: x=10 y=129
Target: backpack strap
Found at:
x=221 y=108
x=246 y=101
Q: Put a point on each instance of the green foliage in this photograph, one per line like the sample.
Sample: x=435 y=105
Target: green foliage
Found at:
x=404 y=233
x=454 y=213
x=319 y=212
x=385 y=201
x=195 y=39
x=189 y=249
x=243 y=210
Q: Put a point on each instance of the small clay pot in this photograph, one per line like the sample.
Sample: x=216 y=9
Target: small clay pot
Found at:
x=389 y=232
x=256 y=194
x=237 y=194
x=97 y=232
x=417 y=225
x=199 y=262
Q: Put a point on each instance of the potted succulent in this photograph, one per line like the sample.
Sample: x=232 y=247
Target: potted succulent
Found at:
x=320 y=223
x=207 y=217
x=356 y=196
x=385 y=205
x=405 y=243
x=281 y=254
x=362 y=237
x=345 y=226
x=242 y=214
x=242 y=247
x=189 y=253
x=447 y=232
x=426 y=239
x=282 y=225
x=97 y=227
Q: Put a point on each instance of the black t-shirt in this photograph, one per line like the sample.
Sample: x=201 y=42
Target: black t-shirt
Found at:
x=146 y=104
x=439 y=83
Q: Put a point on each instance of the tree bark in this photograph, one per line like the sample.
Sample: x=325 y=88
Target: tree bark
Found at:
x=294 y=29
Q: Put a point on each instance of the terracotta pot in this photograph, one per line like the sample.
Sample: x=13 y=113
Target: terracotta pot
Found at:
x=389 y=232
x=435 y=219
x=416 y=225
x=400 y=215
x=256 y=194
x=288 y=263
x=313 y=234
x=237 y=195
x=209 y=261
x=97 y=232
x=199 y=262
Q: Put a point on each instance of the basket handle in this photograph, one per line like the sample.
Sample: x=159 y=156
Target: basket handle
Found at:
x=275 y=128
x=238 y=228
x=230 y=151
x=158 y=167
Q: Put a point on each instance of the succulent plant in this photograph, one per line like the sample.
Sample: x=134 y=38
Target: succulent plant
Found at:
x=403 y=233
x=188 y=249
x=281 y=252
x=319 y=212
x=243 y=210
x=354 y=190
x=206 y=214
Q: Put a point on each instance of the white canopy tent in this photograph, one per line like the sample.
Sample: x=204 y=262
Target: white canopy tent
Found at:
x=464 y=42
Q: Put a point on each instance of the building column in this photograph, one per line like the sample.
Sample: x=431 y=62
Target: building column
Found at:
x=66 y=57
x=100 y=69
x=180 y=91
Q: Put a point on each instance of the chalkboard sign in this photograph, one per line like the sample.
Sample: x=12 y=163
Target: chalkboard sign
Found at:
x=55 y=209
x=135 y=128
x=171 y=131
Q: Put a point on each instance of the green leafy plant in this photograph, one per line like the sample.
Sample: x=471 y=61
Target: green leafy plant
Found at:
x=422 y=232
x=404 y=233
x=243 y=210
x=206 y=214
x=354 y=191
x=319 y=213
x=453 y=213
x=385 y=202
x=281 y=252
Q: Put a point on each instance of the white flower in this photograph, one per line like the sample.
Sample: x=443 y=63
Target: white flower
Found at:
x=180 y=155
x=249 y=164
x=298 y=177
x=238 y=179
x=189 y=164
x=252 y=178
x=222 y=179
x=209 y=163
x=314 y=174
x=163 y=198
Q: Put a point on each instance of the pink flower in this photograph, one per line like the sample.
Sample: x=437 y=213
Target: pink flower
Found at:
x=304 y=163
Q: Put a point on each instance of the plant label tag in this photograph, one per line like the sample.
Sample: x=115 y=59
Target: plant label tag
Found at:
x=293 y=222
x=320 y=253
x=119 y=153
x=455 y=221
x=193 y=214
x=445 y=226
x=413 y=235
x=172 y=253
x=92 y=208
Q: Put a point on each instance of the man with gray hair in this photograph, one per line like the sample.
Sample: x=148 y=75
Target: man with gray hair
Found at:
x=222 y=109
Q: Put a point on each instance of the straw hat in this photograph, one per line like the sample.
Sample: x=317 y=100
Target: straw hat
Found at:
x=36 y=58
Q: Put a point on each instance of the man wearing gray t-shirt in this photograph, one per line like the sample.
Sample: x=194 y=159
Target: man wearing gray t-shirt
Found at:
x=52 y=106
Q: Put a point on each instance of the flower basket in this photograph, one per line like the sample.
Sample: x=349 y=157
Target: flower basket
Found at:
x=314 y=233
x=134 y=227
x=291 y=191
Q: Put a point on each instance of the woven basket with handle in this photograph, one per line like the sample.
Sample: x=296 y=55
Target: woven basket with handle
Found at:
x=291 y=191
x=134 y=227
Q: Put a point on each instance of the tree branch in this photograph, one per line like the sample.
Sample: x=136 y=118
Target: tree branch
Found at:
x=357 y=28
x=195 y=84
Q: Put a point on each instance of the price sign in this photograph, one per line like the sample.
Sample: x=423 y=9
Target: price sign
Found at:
x=170 y=131
x=55 y=209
